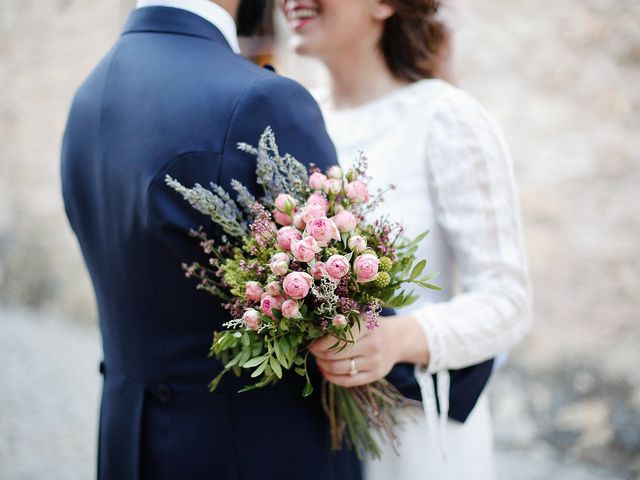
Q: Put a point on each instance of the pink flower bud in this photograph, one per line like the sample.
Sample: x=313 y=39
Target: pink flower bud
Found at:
x=318 y=198
x=337 y=266
x=251 y=319
x=345 y=221
x=323 y=230
x=317 y=181
x=282 y=218
x=333 y=186
x=270 y=303
x=305 y=250
x=279 y=264
x=285 y=235
x=357 y=191
x=285 y=203
x=290 y=309
x=335 y=172
x=312 y=211
x=339 y=321
x=298 y=221
x=318 y=270
x=366 y=268
x=253 y=291
x=297 y=284
x=274 y=288
x=357 y=243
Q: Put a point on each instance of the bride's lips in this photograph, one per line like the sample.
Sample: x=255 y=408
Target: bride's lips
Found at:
x=299 y=15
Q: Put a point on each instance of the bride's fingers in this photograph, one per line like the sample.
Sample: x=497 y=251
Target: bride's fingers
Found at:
x=324 y=343
x=362 y=378
x=343 y=366
x=361 y=347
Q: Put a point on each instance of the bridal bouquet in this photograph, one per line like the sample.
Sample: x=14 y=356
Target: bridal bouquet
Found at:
x=304 y=261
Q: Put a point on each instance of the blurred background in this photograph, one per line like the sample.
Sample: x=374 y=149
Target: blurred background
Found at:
x=561 y=77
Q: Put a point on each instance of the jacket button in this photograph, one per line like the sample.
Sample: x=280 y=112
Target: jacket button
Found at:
x=163 y=393
x=101 y=368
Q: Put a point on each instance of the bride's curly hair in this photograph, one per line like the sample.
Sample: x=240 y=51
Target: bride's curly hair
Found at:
x=413 y=39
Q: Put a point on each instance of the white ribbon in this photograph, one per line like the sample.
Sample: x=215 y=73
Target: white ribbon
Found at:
x=436 y=424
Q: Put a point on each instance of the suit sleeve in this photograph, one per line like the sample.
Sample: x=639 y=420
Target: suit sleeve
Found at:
x=294 y=117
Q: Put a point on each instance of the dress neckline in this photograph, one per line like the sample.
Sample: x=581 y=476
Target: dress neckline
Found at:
x=353 y=126
x=394 y=96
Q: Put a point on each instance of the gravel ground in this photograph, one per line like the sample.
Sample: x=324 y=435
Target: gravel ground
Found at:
x=49 y=406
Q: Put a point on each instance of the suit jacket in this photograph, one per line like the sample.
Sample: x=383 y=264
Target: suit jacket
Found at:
x=172 y=98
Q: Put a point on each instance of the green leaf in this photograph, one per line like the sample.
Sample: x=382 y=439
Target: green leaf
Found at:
x=280 y=355
x=244 y=357
x=418 y=269
x=254 y=362
x=214 y=383
x=246 y=341
x=232 y=362
x=275 y=366
x=260 y=369
x=430 y=276
x=301 y=371
x=308 y=388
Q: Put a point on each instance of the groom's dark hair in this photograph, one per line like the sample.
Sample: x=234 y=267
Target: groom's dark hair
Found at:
x=413 y=39
x=251 y=16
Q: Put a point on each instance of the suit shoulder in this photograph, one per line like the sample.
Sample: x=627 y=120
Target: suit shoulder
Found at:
x=271 y=85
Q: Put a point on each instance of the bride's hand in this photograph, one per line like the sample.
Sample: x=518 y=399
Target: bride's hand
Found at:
x=374 y=353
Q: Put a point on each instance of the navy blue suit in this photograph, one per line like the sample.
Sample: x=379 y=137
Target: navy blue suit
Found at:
x=172 y=98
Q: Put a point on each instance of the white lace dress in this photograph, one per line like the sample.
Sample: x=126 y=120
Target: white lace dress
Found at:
x=453 y=174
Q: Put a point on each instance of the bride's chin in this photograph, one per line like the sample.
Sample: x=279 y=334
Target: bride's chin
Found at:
x=301 y=45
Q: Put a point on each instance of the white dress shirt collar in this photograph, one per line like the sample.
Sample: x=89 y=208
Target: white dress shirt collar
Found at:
x=206 y=9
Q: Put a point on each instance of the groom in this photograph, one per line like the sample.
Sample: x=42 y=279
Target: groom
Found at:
x=173 y=97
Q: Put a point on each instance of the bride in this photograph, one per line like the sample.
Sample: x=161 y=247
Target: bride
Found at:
x=453 y=174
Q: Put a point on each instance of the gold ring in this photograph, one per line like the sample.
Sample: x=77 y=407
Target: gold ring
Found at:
x=354 y=370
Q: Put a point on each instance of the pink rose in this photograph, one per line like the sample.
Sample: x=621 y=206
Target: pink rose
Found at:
x=339 y=321
x=366 y=268
x=335 y=172
x=357 y=191
x=305 y=250
x=298 y=221
x=274 y=288
x=312 y=211
x=290 y=309
x=270 y=303
x=318 y=198
x=319 y=270
x=285 y=203
x=279 y=264
x=345 y=221
x=252 y=319
x=317 y=181
x=253 y=291
x=333 y=186
x=282 y=218
x=357 y=243
x=323 y=230
x=337 y=266
x=297 y=284
x=285 y=235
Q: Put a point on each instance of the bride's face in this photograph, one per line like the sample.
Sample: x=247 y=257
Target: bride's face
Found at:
x=322 y=28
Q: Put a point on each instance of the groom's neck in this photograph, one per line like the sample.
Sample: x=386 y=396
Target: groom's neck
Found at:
x=230 y=6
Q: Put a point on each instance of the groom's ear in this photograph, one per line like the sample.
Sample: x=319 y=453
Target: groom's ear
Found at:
x=382 y=10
